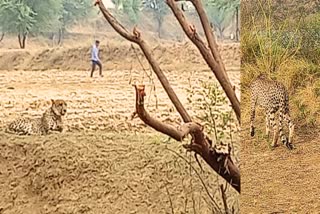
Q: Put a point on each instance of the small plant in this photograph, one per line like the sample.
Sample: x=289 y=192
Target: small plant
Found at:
x=212 y=107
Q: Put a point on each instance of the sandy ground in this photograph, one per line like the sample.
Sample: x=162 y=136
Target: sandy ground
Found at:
x=100 y=172
x=279 y=180
x=105 y=162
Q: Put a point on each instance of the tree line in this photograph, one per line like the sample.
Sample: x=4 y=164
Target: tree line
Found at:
x=34 y=17
x=220 y=12
x=24 y=18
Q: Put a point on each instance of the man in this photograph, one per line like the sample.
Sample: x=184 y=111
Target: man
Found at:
x=95 y=58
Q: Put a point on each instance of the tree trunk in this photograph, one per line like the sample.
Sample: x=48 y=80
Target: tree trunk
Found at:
x=19 y=39
x=1 y=37
x=237 y=25
x=159 y=26
x=52 y=37
x=22 y=40
x=218 y=159
x=220 y=30
x=60 y=36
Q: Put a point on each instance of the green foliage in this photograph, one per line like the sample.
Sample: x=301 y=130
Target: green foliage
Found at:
x=35 y=16
x=118 y=4
x=310 y=34
x=269 y=45
x=226 y=4
x=130 y=7
x=16 y=17
x=47 y=14
x=159 y=8
x=29 y=16
x=162 y=8
x=211 y=103
x=75 y=10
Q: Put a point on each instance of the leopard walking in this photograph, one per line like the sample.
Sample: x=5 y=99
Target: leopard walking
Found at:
x=273 y=97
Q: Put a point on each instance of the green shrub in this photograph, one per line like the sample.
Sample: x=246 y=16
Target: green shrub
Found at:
x=310 y=33
x=213 y=110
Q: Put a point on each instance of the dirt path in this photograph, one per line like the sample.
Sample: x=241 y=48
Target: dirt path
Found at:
x=280 y=181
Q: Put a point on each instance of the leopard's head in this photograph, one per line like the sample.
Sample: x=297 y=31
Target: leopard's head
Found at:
x=59 y=107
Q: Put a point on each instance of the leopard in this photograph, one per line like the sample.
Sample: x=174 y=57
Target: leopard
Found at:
x=273 y=97
x=51 y=120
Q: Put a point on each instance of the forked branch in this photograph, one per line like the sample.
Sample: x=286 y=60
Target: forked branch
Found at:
x=219 y=161
x=176 y=133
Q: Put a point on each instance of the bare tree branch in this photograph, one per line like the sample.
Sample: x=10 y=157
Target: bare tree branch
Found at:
x=224 y=198
x=208 y=56
x=220 y=162
x=177 y=134
x=209 y=34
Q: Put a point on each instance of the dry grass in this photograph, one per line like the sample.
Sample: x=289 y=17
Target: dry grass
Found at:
x=302 y=81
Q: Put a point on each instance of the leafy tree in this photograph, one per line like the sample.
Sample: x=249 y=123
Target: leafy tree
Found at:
x=28 y=16
x=1 y=37
x=71 y=12
x=310 y=35
x=222 y=11
x=219 y=15
x=17 y=18
x=24 y=17
x=47 y=16
x=130 y=7
x=118 y=4
x=234 y=6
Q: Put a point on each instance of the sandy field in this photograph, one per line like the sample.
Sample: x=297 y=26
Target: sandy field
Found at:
x=104 y=162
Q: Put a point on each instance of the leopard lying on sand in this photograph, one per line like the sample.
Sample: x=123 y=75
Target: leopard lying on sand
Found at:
x=51 y=120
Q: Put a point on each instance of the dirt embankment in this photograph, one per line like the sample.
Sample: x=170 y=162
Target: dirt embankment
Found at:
x=99 y=172
x=115 y=55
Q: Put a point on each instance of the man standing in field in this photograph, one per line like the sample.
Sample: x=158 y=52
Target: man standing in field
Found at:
x=95 y=58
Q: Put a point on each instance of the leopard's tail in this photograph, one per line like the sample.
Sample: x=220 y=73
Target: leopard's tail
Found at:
x=9 y=130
